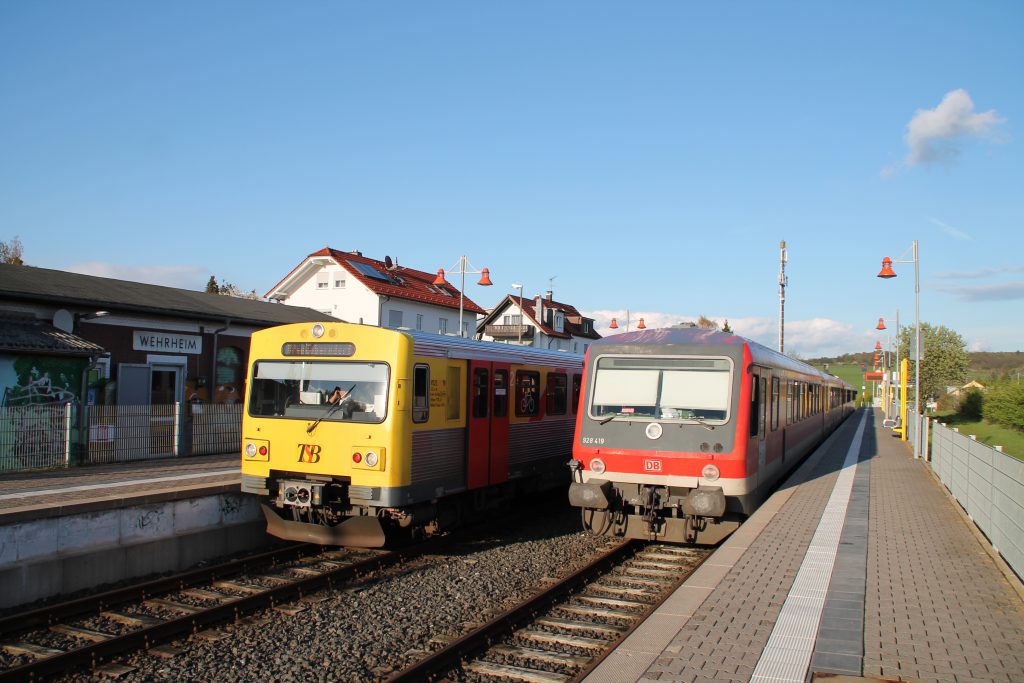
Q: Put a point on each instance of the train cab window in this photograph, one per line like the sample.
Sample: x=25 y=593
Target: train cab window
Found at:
x=577 y=382
x=775 y=403
x=500 y=393
x=481 y=380
x=454 y=390
x=682 y=388
x=557 y=390
x=420 y=393
x=527 y=393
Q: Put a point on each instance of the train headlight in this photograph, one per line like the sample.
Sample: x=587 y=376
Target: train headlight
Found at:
x=256 y=449
x=710 y=472
x=653 y=430
x=597 y=466
x=370 y=458
x=250 y=449
x=318 y=330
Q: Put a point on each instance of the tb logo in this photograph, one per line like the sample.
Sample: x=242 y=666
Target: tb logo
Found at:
x=652 y=466
x=309 y=452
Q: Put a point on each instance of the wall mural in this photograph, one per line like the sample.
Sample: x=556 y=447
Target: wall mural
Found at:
x=40 y=380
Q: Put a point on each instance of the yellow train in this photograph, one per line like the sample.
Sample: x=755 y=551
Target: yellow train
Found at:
x=352 y=433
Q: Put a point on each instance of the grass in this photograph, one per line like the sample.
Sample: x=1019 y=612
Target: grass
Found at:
x=1011 y=440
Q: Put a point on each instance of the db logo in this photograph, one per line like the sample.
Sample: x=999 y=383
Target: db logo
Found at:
x=652 y=466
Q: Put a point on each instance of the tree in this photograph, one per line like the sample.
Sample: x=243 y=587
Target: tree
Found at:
x=228 y=289
x=707 y=323
x=945 y=358
x=11 y=253
x=212 y=287
x=1004 y=405
x=726 y=328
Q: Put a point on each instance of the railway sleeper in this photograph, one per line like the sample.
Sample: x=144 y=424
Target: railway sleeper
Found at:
x=546 y=656
x=588 y=611
x=612 y=602
x=83 y=633
x=623 y=590
x=546 y=637
x=591 y=626
x=516 y=672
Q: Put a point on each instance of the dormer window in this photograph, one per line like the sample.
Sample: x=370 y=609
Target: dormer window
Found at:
x=559 y=321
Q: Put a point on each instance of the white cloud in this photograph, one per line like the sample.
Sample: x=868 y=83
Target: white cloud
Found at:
x=184 y=277
x=804 y=338
x=1005 y=291
x=979 y=345
x=936 y=135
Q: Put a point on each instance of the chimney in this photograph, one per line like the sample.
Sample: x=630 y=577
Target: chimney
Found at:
x=548 y=294
x=538 y=309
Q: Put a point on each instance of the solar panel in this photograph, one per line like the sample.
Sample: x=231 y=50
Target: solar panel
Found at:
x=369 y=271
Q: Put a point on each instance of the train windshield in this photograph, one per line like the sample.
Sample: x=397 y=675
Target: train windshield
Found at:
x=662 y=388
x=331 y=391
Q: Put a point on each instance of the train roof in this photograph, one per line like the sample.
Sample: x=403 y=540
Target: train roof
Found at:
x=710 y=340
x=447 y=346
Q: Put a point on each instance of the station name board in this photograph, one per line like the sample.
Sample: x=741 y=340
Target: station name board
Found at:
x=167 y=343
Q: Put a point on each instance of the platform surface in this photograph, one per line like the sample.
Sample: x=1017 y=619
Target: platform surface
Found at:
x=861 y=566
x=52 y=493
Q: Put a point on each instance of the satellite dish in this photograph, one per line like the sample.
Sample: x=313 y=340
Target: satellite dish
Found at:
x=388 y=263
x=63 y=320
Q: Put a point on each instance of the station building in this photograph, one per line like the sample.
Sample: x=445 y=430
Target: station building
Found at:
x=66 y=337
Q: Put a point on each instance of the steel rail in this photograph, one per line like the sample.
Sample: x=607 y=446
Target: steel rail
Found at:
x=448 y=657
x=148 y=636
x=50 y=614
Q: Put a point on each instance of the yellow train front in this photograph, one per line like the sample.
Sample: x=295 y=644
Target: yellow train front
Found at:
x=354 y=433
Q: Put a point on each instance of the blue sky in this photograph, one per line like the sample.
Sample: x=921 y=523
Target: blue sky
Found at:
x=647 y=156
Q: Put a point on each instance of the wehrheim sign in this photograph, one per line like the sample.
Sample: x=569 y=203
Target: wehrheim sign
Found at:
x=167 y=343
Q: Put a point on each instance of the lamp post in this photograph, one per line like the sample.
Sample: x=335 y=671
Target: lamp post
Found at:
x=886 y=273
x=520 y=288
x=888 y=360
x=461 y=268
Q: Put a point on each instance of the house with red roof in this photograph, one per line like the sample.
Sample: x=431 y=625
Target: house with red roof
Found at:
x=540 y=322
x=358 y=289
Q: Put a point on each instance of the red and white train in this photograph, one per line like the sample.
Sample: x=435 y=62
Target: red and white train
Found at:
x=682 y=432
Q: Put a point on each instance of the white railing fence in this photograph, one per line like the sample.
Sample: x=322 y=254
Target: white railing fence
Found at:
x=988 y=484
x=48 y=436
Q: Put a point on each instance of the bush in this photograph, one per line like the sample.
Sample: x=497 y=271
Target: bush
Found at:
x=971 y=405
x=1004 y=405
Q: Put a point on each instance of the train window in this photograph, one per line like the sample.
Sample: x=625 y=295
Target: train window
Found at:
x=754 y=403
x=454 y=392
x=557 y=397
x=577 y=382
x=500 y=393
x=673 y=388
x=527 y=393
x=775 y=403
x=420 y=393
x=480 y=392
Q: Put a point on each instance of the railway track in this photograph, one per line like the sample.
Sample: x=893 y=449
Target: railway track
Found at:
x=91 y=631
x=562 y=632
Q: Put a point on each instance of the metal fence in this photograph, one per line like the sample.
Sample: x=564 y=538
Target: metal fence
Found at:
x=988 y=484
x=41 y=437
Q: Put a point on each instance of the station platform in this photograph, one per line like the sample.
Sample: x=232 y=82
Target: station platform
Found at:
x=28 y=496
x=861 y=566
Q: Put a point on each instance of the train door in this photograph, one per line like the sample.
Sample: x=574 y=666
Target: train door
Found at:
x=487 y=447
x=478 y=448
x=499 y=422
x=761 y=424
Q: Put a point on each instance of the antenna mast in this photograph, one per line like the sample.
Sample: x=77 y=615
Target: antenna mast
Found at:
x=783 y=281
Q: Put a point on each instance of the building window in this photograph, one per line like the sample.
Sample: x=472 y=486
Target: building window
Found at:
x=512 y=320
x=527 y=393
x=394 y=319
x=442 y=326
x=559 y=321
x=339 y=282
x=419 y=321
x=321 y=280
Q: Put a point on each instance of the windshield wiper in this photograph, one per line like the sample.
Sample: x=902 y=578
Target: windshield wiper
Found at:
x=608 y=419
x=702 y=423
x=330 y=411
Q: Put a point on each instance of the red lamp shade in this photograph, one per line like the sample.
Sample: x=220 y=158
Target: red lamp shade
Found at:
x=485 y=278
x=881 y=324
x=641 y=325
x=887 y=270
x=614 y=325
x=439 y=280
x=878 y=346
